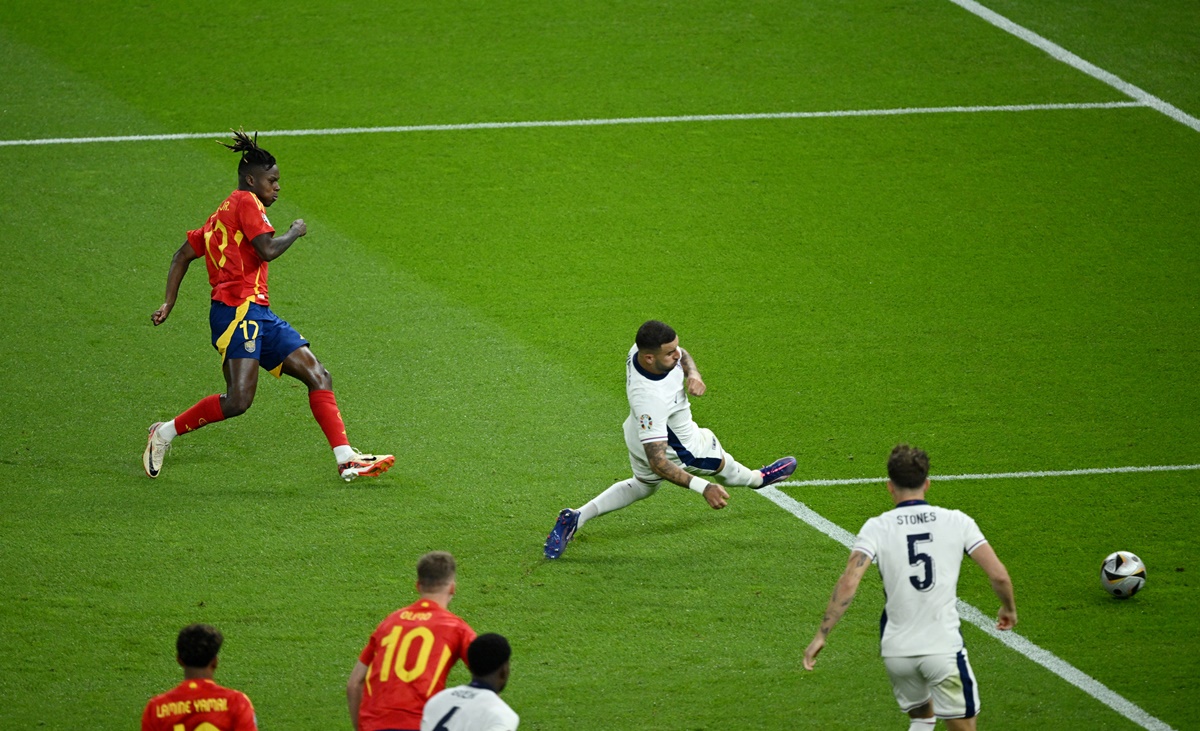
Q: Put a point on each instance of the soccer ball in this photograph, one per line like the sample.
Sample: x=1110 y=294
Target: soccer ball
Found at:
x=1122 y=574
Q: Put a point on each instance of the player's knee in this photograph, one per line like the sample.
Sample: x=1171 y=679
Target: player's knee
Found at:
x=236 y=404
x=643 y=490
x=322 y=381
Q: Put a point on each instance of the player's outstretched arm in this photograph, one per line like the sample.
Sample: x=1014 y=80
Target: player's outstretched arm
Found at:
x=1001 y=584
x=179 y=265
x=843 y=594
x=691 y=374
x=354 y=690
x=271 y=247
x=656 y=454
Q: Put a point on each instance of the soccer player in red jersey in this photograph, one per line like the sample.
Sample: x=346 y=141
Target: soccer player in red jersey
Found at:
x=409 y=655
x=198 y=702
x=236 y=243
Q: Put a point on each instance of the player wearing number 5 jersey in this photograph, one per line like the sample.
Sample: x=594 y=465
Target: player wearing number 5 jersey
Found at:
x=409 y=655
x=199 y=704
x=919 y=548
x=236 y=244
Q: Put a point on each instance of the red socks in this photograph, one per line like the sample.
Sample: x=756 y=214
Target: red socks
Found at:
x=323 y=404
x=325 y=411
x=206 y=411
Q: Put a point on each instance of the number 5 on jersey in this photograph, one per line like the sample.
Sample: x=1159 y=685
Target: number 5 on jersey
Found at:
x=918 y=559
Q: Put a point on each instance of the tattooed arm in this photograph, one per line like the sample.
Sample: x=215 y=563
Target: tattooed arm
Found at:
x=843 y=594
x=656 y=454
x=691 y=374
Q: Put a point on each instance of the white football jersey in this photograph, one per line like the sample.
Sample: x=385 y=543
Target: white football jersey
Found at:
x=658 y=407
x=919 y=549
x=468 y=708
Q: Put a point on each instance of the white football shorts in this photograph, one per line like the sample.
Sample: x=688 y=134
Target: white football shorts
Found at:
x=704 y=457
x=947 y=679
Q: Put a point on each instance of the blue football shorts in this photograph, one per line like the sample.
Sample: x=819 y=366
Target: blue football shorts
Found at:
x=253 y=331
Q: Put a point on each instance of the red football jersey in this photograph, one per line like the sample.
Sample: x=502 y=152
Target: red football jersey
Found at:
x=408 y=658
x=234 y=269
x=197 y=704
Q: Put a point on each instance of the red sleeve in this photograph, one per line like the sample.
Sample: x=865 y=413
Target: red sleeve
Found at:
x=368 y=653
x=252 y=218
x=148 y=718
x=468 y=636
x=244 y=718
x=196 y=239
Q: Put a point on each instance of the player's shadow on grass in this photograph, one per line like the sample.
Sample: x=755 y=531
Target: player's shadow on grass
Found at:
x=603 y=543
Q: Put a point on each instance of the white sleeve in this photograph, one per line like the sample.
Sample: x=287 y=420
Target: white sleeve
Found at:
x=867 y=540
x=651 y=414
x=972 y=536
x=504 y=722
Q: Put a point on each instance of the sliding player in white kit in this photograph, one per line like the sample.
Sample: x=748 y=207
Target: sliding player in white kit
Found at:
x=664 y=443
x=919 y=548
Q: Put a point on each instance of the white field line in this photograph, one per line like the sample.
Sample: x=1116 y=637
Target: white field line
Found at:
x=573 y=123
x=1000 y=475
x=1014 y=641
x=1062 y=54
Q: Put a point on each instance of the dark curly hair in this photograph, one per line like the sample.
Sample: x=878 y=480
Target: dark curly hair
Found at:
x=253 y=156
x=908 y=467
x=198 y=644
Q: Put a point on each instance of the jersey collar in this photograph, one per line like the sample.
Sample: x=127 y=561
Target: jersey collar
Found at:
x=908 y=503
x=646 y=373
x=477 y=683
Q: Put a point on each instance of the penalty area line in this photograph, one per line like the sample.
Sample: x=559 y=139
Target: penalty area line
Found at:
x=576 y=123
x=971 y=614
x=1059 y=53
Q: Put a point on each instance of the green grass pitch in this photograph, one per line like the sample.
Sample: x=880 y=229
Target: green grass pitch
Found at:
x=1011 y=291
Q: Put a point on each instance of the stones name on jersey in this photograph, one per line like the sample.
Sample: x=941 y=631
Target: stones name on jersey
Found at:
x=919 y=550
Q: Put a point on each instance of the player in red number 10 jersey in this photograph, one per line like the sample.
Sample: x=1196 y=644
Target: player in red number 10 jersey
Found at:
x=236 y=243
x=409 y=655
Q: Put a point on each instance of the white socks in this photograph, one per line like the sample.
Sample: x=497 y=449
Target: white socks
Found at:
x=343 y=453
x=619 y=495
x=166 y=431
x=736 y=475
x=921 y=724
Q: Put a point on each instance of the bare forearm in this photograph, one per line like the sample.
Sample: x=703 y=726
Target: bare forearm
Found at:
x=688 y=363
x=175 y=275
x=1003 y=587
x=656 y=453
x=999 y=579
x=843 y=593
x=354 y=696
x=274 y=248
x=691 y=374
x=838 y=604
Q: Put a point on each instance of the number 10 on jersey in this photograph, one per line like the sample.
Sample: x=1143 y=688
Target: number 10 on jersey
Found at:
x=397 y=646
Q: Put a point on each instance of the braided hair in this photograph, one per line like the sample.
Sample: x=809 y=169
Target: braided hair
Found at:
x=253 y=156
